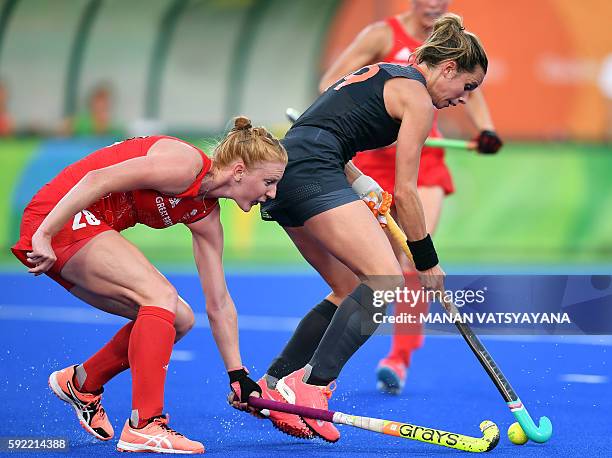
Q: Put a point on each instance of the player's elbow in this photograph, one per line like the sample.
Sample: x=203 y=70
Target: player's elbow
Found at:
x=96 y=182
x=404 y=192
x=92 y=179
x=214 y=308
x=217 y=306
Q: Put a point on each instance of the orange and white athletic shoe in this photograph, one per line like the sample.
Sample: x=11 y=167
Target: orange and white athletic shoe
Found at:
x=87 y=406
x=158 y=437
x=292 y=425
x=296 y=391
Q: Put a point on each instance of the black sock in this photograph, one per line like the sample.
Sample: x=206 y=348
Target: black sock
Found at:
x=304 y=341
x=350 y=328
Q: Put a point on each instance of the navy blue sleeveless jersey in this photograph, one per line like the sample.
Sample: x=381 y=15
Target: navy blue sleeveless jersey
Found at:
x=353 y=109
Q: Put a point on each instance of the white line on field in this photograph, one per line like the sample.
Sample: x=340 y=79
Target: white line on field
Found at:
x=80 y=315
x=603 y=340
x=181 y=355
x=583 y=378
x=92 y=316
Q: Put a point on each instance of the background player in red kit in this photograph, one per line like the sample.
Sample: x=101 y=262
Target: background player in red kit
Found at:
x=394 y=40
x=71 y=231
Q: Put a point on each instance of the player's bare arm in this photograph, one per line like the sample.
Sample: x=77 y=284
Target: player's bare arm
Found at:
x=366 y=48
x=478 y=111
x=207 y=236
x=487 y=141
x=409 y=102
x=169 y=167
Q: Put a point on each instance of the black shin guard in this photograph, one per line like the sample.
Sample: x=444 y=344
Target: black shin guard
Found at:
x=350 y=328
x=304 y=341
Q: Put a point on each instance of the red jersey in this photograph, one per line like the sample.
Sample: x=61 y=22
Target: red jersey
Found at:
x=119 y=210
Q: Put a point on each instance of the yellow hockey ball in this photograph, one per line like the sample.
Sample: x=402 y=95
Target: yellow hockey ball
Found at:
x=516 y=434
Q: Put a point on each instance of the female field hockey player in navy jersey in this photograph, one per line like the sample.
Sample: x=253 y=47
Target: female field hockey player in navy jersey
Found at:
x=319 y=205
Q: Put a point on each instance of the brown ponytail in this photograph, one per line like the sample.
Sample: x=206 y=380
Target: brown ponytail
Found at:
x=450 y=41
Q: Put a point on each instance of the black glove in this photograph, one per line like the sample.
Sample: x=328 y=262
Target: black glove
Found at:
x=488 y=142
x=242 y=385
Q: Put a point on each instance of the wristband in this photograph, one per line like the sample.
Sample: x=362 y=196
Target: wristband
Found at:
x=237 y=374
x=242 y=385
x=423 y=253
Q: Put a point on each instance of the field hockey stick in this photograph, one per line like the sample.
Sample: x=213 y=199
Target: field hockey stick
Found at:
x=485 y=443
x=451 y=143
x=537 y=433
x=293 y=115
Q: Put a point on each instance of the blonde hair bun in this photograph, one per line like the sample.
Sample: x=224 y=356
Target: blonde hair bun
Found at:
x=248 y=144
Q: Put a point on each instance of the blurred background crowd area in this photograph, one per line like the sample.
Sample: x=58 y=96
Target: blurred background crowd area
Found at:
x=76 y=75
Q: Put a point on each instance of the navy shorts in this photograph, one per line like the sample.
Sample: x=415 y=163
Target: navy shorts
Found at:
x=314 y=180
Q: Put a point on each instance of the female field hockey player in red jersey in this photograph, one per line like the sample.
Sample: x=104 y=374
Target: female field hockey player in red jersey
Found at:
x=71 y=232
x=333 y=228
x=394 y=40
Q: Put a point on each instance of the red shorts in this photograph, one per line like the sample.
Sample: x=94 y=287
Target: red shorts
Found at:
x=380 y=165
x=71 y=238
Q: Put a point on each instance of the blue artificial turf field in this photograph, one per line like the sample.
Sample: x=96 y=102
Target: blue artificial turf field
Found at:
x=43 y=329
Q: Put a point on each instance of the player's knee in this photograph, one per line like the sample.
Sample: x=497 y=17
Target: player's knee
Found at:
x=184 y=323
x=382 y=272
x=344 y=287
x=169 y=298
x=391 y=268
x=162 y=295
x=388 y=279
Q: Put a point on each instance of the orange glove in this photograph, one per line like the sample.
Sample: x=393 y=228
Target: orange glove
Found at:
x=379 y=207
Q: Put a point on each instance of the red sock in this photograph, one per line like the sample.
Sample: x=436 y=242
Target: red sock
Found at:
x=149 y=352
x=109 y=361
x=408 y=337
